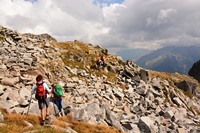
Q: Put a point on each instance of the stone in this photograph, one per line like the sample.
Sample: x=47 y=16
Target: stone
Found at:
x=78 y=100
x=9 y=81
x=25 y=93
x=195 y=71
x=1 y=118
x=3 y=67
x=187 y=86
x=142 y=89
x=146 y=125
x=177 y=101
x=144 y=75
x=169 y=114
x=118 y=93
x=181 y=130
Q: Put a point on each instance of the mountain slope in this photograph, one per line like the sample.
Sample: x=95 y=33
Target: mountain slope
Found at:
x=171 y=59
x=121 y=94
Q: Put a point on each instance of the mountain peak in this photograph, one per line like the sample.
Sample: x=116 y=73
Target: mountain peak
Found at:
x=171 y=59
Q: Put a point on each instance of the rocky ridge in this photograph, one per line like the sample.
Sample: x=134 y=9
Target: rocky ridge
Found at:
x=122 y=95
x=194 y=71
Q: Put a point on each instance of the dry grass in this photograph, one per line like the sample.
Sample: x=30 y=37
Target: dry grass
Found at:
x=122 y=86
x=175 y=77
x=3 y=111
x=14 y=123
x=78 y=55
x=60 y=123
x=89 y=128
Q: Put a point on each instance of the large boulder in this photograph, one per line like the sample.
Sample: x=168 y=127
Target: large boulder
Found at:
x=146 y=125
x=187 y=86
x=195 y=71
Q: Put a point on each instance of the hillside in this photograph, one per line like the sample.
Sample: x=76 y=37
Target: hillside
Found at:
x=123 y=97
x=171 y=59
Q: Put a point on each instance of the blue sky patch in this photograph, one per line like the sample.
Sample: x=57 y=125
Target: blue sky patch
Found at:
x=107 y=2
x=32 y=1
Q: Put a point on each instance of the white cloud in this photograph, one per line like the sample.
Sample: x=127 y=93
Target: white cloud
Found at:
x=164 y=15
x=110 y=14
x=147 y=24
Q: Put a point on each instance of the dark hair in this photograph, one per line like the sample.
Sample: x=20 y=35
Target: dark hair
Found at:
x=38 y=78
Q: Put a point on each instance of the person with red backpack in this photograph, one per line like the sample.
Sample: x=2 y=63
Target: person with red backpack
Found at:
x=41 y=91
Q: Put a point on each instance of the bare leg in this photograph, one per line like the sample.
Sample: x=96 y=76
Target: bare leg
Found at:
x=42 y=114
x=47 y=110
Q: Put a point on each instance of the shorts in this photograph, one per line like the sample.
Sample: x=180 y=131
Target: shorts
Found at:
x=43 y=103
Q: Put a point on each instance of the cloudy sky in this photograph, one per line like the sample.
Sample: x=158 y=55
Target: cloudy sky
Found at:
x=113 y=24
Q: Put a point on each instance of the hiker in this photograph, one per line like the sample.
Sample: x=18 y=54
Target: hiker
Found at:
x=101 y=62
x=41 y=91
x=56 y=91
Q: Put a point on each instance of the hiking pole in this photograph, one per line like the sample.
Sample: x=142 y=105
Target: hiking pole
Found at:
x=53 y=105
x=54 y=108
x=29 y=105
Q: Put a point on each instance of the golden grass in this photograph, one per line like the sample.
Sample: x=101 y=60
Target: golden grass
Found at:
x=175 y=77
x=89 y=128
x=82 y=51
x=14 y=123
x=59 y=123
x=122 y=86
x=3 y=111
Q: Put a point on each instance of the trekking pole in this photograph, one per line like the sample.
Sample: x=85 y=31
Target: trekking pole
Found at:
x=29 y=105
x=53 y=105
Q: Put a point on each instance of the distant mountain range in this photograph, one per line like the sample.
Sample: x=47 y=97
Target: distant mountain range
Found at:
x=171 y=59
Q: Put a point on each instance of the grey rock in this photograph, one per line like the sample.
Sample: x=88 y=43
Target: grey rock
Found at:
x=118 y=93
x=177 y=101
x=144 y=75
x=9 y=81
x=181 y=130
x=25 y=93
x=187 y=86
x=1 y=118
x=3 y=67
x=146 y=125
x=28 y=61
x=169 y=114
x=142 y=89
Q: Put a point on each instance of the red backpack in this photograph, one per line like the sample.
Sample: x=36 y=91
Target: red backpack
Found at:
x=40 y=91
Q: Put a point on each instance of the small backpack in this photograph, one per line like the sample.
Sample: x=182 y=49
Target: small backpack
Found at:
x=40 y=91
x=57 y=91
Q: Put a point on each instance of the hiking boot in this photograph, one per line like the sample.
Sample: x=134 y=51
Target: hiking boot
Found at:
x=42 y=123
x=62 y=112
x=47 y=117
